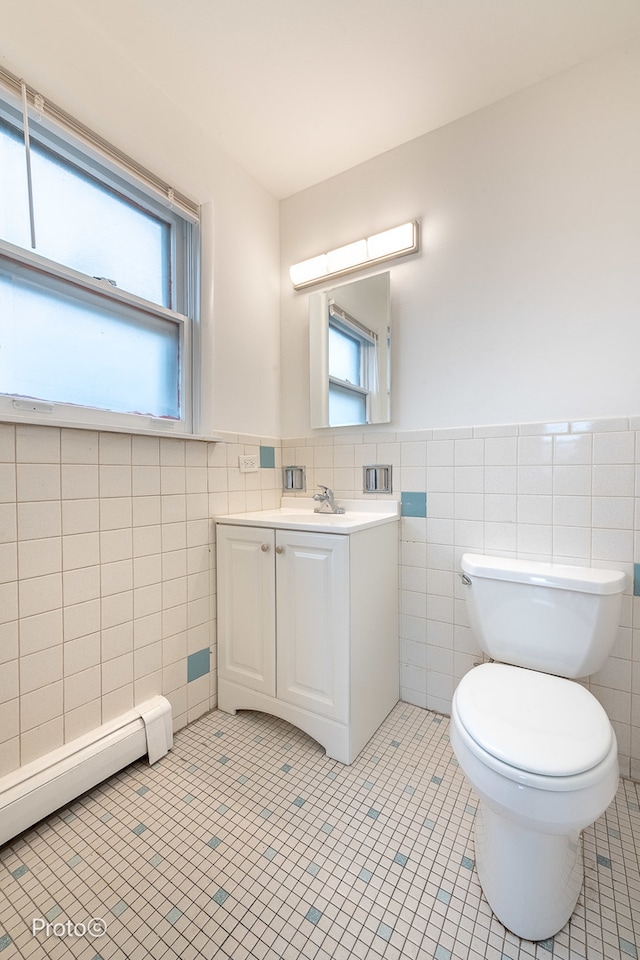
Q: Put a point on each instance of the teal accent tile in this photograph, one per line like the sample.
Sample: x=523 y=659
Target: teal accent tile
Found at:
x=367 y=785
x=142 y=790
x=603 y=861
x=401 y=859
x=627 y=947
x=299 y=802
x=223 y=759
x=410 y=790
x=468 y=863
x=214 y=842
x=546 y=944
x=243 y=780
x=471 y=810
x=428 y=823
x=435 y=779
x=374 y=814
x=106 y=817
x=613 y=833
x=384 y=931
x=119 y=908
x=636 y=579
x=53 y=913
x=268 y=457
x=285 y=767
x=270 y=853
x=220 y=896
x=19 y=872
x=139 y=829
x=413 y=504
x=332 y=775
x=68 y=817
x=5 y=941
x=173 y=915
x=313 y=869
x=266 y=813
x=395 y=743
x=192 y=768
x=75 y=860
x=189 y=798
x=442 y=953
x=198 y=664
x=223 y=808
x=365 y=875
x=313 y=915
x=156 y=859
x=443 y=895
x=326 y=828
x=219 y=733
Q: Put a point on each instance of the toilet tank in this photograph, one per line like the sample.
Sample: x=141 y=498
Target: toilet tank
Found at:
x=547 y=616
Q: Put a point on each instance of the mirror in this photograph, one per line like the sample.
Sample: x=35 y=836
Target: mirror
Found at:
x=349 y=353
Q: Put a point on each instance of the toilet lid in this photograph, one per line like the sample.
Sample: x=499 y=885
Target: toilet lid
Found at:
x=533 y=721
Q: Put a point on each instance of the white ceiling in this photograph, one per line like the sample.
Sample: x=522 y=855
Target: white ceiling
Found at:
x=298 y=90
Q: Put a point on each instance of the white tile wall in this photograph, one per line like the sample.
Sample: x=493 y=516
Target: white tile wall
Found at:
x=568 y=492
x=107 y=575
x=107 y=569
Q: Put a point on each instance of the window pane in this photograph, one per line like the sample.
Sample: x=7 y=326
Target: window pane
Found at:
x=81 y=223
x=73 y=349
x=346 y=407
x=344 y=356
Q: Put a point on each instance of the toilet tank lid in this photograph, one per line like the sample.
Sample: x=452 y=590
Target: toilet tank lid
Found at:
x=557 y=575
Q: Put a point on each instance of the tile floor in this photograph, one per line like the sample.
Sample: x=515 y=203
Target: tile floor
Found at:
x=246 y=841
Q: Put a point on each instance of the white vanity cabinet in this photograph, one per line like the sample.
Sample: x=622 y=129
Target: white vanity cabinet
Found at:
x=307 y=628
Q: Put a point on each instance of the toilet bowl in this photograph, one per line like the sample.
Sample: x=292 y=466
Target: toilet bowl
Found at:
x=535 y=796
x=537 y=748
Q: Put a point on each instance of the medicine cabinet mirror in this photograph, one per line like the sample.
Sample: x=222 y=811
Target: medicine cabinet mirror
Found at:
x=349 y=353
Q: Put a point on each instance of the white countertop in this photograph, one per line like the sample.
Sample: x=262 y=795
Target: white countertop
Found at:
x=297 y=513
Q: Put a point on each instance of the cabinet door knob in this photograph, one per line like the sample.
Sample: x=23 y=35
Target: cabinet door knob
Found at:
x=264 y=547
x=279 y=549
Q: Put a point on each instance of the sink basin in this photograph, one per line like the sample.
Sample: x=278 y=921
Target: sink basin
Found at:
x=297 y=513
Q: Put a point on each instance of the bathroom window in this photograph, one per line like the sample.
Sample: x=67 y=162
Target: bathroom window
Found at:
x=97 y=287
x=352 y=357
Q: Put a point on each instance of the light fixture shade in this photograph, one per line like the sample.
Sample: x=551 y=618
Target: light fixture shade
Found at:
x=396 y=242
x=351 y=255
x=392 y=242
x=308 y=271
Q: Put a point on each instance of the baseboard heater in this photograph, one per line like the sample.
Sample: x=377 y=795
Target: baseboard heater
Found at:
x=48 y=783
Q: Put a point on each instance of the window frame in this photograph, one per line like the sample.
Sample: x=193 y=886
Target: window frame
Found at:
x=347 y=326
x=184 y=284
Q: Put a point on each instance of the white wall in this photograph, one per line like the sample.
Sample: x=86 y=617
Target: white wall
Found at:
x=523 y=305
x=516 y=350
x=57 y=50
x=107 y=579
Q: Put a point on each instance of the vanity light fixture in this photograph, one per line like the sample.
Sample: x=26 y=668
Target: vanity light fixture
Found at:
x=396 y=242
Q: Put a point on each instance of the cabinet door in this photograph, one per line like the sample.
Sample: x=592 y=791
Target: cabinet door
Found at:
x=312 y=576
x=246 y=607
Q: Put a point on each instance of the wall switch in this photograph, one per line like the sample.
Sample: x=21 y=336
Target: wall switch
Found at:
x=248 y=464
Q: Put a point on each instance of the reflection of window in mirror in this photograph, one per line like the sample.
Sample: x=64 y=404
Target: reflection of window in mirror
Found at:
x=352 y=374
x=349 y=353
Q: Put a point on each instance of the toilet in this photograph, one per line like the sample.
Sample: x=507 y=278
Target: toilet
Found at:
x=537 y=748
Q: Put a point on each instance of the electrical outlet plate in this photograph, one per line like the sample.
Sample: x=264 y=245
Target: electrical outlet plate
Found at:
x=248 y=463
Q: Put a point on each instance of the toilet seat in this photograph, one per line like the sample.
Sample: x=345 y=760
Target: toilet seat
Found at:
x=533 y=724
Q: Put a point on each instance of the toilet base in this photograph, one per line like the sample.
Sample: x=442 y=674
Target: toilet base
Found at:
x=531 y=880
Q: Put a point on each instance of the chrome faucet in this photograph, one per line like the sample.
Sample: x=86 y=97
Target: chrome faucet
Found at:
x=326 y=502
